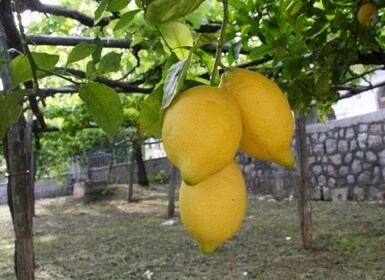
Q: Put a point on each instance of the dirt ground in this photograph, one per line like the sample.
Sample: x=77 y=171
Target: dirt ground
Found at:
x=108 y=238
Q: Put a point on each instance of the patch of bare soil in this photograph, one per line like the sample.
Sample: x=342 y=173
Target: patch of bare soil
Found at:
x=104 y=237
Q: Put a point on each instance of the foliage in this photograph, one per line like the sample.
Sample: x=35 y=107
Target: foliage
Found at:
x=160 y=178
x=312 y=49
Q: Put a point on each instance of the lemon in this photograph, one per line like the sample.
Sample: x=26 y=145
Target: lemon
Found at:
x=268 y=124
x=365 y=13
x=201 y=132
x=213 y=210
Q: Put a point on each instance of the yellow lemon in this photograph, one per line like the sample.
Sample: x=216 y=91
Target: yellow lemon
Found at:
x=213 y=210
x=201 y=132
x=365 y=13
x=268 y=123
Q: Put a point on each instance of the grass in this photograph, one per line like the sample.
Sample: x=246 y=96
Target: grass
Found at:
x=111 y=239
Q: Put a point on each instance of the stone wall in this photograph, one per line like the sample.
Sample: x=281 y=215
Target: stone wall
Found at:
x=44 y=188
x=120 y=172
x=348 y=153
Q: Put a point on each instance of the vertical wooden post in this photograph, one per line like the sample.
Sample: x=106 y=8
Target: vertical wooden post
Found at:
x=19 y=188
x=171 y=192
x=18 y=153
x=131 y=166
x=304 y=205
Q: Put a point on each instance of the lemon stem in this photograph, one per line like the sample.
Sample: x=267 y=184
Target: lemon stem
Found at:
x=221 y=42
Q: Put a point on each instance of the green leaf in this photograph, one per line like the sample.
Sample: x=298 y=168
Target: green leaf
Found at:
x=10 y=110
x=91 y=70
x=98 y=50
x=20 y=68
x=261 y=51
x=101 y=8
x=117 y=5
x=151 y=114
x=177 y=37
x=104 y=105
x=45 y=61
x=79 y=52
x=109 y=63
x=294 y=7
x=322 y=86
x=161 y=11
x=125 y=19
x=174 y=80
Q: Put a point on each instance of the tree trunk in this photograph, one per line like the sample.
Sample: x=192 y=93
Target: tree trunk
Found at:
x=171 y=192
x=141 y=169
x=131 y=166
x=112 y=162
x=18 y=154
x=304 y=205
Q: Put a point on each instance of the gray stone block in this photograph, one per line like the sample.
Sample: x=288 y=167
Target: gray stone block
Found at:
x=362 y=139
x=339 y=194
x=349 y=133
x=375 y=128
x=375 y=142
x=358 y=194
x=370 y=156
x=356 y=166
x=343 y=146
x=331 y=146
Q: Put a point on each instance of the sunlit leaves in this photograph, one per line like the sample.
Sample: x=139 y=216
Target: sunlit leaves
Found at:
x=161 y=11
x=10 y=110
x=79 y=52
x=117 y=5
x=104 y=105
x=151 y=114
x=177 y=37
x=111 y=6
x=101 y=8
x=21 y=71
x=174 y=80
x=126 y=19
x=109 y=63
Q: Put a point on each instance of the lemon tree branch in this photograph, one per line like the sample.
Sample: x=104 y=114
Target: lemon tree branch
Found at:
x=221 y=42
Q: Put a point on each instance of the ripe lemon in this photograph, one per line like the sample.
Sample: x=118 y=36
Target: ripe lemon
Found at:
x=213 y=210
x=201 y=132
x=268 y=124
x=365 y=13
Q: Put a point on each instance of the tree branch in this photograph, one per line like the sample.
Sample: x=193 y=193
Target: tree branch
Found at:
x=355 y=90
x=128 y=87
x=50 y=40
x=373 y=58
x=37 y=6
x=13 y=38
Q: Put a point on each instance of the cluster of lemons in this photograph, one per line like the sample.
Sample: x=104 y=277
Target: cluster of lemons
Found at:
x=202 y=131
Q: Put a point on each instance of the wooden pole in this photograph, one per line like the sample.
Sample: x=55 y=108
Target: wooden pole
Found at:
x=18 y=154
x=304 y=205
x=171 y=192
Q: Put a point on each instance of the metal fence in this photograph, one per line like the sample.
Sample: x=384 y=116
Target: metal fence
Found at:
x=150 y=150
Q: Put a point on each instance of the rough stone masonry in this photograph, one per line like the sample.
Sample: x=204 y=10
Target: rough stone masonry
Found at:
x=347 y=154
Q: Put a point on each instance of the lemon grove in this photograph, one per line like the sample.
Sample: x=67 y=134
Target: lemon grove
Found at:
x=202 y=131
